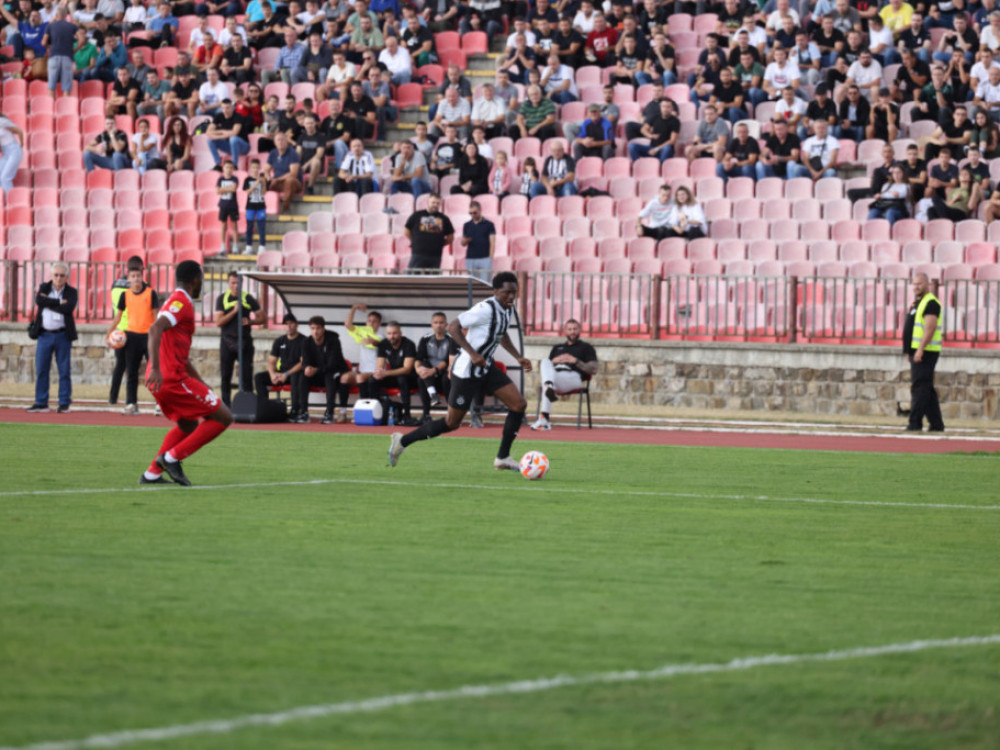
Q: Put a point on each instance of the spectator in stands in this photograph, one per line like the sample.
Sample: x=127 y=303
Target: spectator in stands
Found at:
x=108 y=150
x=420 y=141
x=518 y=60
x=961 y=202
x=337 y=78
x=710 y=138
x=446 y=153
x=227 y=133
x=880 y=176
x=536 y=117
x=163 y=26
x=200 y=34
x=289 y=57
x=728 y=97
x=955 y=133
x=662 y=133
x=311 y=146
x=501 y=176
x=818 y=156
x=610 y=112
x=397 y=61
x=367 y=38
x=473 y=172
x=520 y=27
x=740 y=157
x=479 y=241
x=26 y=32
x=988 y=95
x=529 y=177
x=111 y=57
x=211 y=93
x=176 y=145
x=585 y=18
x=479 y=138
x=980 y=71
x=357 y=171
x=55 y=302
x=790 y=108
x=154 y=93
x=785 y=36
x=433 y=357
x=659 y=215
x=568 y=43
x=660 y=62
x=124 y=97
x=942 y=178
x=409 y=176
x=558 y=176
x=781 y=148
x=687 y=219
x=990 y=36
x=428 y=231
x=58 y=44
x=600 y=42
x=489 y=112
x=255 y=186
x=315 y=62
x=11 y=152
x=231 y=30
x=208 y=54
x=453 y=79
x=628 y=63
x=229 y=210
x=359 y=110
x=268 y=31
x=915 y=171
x=936 y=98
x=743 y=45
x=854 y=117
x=880 y=42
x=750 y=75
x=884 y=118
x=980 y=173
x=84 y=55
x=596 y=136
x=454 y=112
x=891 y=198
x=805 y=55
x=377 y=88
x=323 y=367
x=419 y=43
x=912 y=76
x=985 y=136
x=145 y=152
x=829 y=40
x=184 y=94
x=866 y=74
x=962 y=39
x=236 y=65
x=283 y=170
x=992 y=212
x=780 y=74
x=558 y=81
x=706 y=79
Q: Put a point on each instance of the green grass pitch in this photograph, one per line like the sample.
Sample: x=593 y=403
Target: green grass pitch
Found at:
x=163 y=607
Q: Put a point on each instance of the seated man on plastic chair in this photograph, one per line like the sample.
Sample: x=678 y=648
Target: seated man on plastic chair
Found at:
x=568 y=366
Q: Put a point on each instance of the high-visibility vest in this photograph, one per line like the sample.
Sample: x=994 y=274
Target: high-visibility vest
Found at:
x=139 y=308
x=229 y=302
x=918 y=326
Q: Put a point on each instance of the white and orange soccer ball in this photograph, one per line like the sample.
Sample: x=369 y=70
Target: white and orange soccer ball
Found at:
x=534 y=465
x=117 y=338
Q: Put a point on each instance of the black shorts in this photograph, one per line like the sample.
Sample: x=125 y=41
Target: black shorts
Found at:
x=229 y=212
x=464 y=391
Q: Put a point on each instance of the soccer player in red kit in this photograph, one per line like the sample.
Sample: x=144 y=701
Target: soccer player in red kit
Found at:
x=183 y=396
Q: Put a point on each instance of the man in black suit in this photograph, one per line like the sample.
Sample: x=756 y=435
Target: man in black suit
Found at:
x=55 y=302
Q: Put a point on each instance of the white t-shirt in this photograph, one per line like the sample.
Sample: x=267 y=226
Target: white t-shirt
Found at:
x=988 y=93
x=487 y=323
x=213 y=95
x=153 y=153
x=659 y=214
x=757 y=35
x=865 y=76
x=775 y=20
x=783 y=109
x=876 y=38
x=225 y=38
x=562 y=73
x=582 y=23
x=198 y=39
x=398 y=63
x=338 y=75
x=979 y=71
x=823 y=148
x=529 y=37
x=989 y=39
x=782 y=78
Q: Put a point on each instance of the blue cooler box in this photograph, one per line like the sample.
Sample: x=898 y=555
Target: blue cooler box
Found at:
x=368 y=412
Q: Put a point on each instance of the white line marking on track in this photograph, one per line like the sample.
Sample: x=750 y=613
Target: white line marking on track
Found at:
x=525 y=488
x=226 y=726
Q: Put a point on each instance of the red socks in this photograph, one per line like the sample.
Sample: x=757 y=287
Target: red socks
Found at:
x=204 y=434
x=175 y=436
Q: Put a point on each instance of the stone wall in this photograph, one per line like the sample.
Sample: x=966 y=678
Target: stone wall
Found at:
x=805 y=378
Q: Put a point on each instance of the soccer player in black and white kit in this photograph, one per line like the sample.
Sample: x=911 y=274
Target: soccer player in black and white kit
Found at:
x=475 y=372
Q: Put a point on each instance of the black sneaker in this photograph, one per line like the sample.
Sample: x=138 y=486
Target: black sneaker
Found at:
x=293 y=417
x=158 y=480
x=173 y=470
x=302 y=418
x=38 y=409
x=409 y=422
x=550 y=394
x=327 y=418
x=64 y=408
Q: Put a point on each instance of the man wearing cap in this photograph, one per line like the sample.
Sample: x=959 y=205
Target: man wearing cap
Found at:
x=820 y=109
x=596 y=136
x=283 y=362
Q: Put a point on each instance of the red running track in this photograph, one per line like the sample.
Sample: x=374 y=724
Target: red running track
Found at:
x=718 y=438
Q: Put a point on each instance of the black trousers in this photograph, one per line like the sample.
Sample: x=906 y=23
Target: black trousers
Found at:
x=135 y=352
x=322 y=379
x=440 y=382
x=262 y=382
x=358 y=187
x=923 y=397
x=116 y=375
x=227 y=363
x=403 y=382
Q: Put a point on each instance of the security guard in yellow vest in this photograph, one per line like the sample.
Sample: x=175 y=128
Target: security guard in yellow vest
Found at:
x=925 y=348
x=226 y=309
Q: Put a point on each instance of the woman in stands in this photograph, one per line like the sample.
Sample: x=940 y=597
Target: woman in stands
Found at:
x=500 y=176
x=688 y=219
x=962 y=200
x=176 y=147
x=529 y=176
x=12 y=146
x=985 y=135
x=890 y=203
x=473 y=172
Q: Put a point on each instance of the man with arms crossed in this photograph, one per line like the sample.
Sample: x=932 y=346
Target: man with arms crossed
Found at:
x=564 y=371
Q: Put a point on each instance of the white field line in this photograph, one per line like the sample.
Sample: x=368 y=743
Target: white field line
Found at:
x=523 y=687
x=526 y=488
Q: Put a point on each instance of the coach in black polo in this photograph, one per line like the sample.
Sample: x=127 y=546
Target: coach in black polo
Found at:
x=429 y=231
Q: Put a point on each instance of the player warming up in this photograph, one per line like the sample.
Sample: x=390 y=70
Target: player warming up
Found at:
x=183 y=396
x=475 y=372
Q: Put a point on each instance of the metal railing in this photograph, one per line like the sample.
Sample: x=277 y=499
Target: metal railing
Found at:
x=697 y=307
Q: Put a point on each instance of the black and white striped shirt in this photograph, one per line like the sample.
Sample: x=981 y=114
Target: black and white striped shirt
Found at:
x=487 y=323
x=358 y=165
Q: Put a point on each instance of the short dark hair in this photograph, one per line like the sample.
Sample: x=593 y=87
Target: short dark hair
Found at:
x=376 y=314
x=233 y=275
x=438 y=313
x=504 y=277
x=134 y=263
x=187 y=271
x=317 y=320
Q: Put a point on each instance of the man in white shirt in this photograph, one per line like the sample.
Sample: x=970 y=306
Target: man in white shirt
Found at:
x=232 y=29
x=558 y=81
x=790 y=108
x=881 y=42
x=866 y=74
x=981 y=70
x=489 y=112
x=211 y=93
x=991 y=34
x=357 y=171
x=818 y=157
x=521 y=27
x=454 y=110
x=338 y=78
x=397 y=60
x=805 y=55
x=774 y=21
x=200 y=34
x=988 y=95
x=780 y=74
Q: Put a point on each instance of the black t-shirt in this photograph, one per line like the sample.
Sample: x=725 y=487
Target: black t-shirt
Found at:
x=288 y=351
x=447 y=154
x=431 y=351
x=778 y=148
x=413 y=42
x=735 y=54
x=427 y=233
x=564 y=42
x=979 y=173
x=664 y=129
x=394 y=357
x=742 y=151
x=185 y=92
x=535 y=15
x=328 y=356
x=106 y=139
x=727 y=94
x=969 y=37
x=951 y=131
x=580 y=349
x=915 y=171
x=653 y=63
x=119 y=90
x=227 y=199
x=545 y=42
x=361 y=107
x=914 y=41
x=828 y=43
x=944 y=174
x=235 y=58
x=816 y=112
x=880 y=119
x=222 y=122
x=255 y=195
x=250 y=305
x=334 y=128
x=904 y=79
x=310 y=144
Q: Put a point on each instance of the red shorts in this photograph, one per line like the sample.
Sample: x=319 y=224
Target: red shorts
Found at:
x=186 y=399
